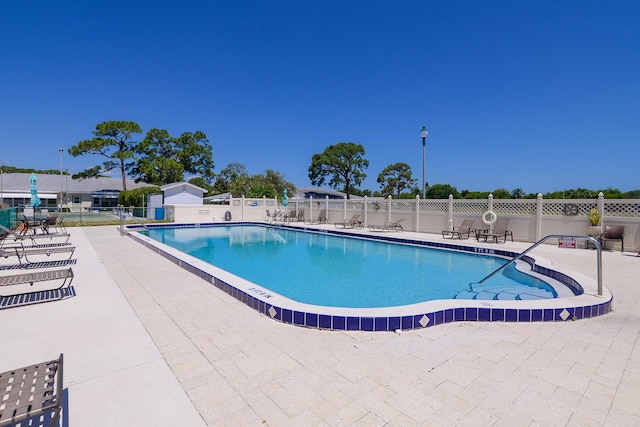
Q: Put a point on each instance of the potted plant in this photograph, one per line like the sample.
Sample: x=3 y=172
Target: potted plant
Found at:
x=595 y=229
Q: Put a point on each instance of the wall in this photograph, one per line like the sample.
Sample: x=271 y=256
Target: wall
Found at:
x=183 y=195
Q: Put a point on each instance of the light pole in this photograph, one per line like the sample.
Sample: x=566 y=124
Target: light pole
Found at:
x=60 y=150
x=1 y=188
x=424 y=133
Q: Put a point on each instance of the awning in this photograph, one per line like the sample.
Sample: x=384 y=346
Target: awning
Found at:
x=28 y=196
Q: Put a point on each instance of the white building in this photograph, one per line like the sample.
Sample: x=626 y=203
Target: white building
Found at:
x=76 y=194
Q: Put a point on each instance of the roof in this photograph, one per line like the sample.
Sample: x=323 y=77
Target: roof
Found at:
x=49 y=183
x=316 y=192
x=179 y=184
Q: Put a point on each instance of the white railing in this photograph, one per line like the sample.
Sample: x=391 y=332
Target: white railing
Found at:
x=530 y=218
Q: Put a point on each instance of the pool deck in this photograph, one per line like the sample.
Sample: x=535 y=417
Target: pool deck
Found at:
x=148 y=343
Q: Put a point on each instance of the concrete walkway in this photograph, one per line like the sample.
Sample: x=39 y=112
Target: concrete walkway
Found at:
x=147 y=343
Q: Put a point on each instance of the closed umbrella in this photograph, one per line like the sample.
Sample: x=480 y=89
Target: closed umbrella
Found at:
x=285 y=202
x=35 y=200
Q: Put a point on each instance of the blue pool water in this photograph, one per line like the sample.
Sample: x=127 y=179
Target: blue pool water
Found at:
x=329 y=270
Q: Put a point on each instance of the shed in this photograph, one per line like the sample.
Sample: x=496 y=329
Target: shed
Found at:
x=182 y=193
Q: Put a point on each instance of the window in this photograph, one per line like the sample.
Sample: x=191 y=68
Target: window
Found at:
x=77 y=199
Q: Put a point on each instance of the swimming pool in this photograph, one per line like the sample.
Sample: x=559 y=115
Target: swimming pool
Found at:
x=338 y=271
x=409 y=316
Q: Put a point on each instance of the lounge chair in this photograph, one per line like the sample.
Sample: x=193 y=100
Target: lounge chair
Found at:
x=352 y=223
x=32 y=391
x=500 y=231
x=40 y=253
x=64 y=276
x=613 y=233
x=40 y=240
x=463 y=230
x=388 y=226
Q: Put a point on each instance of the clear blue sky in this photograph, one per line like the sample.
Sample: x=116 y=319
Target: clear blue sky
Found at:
x=538 y=95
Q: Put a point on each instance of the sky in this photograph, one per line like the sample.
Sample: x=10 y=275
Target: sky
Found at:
x=538 y=95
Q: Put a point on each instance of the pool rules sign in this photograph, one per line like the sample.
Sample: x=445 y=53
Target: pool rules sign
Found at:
x=567 y=242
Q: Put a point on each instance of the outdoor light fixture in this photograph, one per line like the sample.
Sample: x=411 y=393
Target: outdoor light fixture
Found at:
x=424 y=133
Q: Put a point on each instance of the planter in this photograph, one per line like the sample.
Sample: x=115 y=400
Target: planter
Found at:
x=594 y=230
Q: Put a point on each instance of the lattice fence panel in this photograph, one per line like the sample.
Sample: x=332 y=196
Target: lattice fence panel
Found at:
x=568 y=207
x=622 y=208
x=470 y=206
x=404 y=207
x=518 y=207
x=434 y=206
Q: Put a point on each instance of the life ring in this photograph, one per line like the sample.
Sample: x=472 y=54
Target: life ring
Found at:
x=489 y=217
x=571 y=209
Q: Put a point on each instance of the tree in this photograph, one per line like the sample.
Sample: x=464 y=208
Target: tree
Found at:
x=442 y=191
x=342 y=163
x=163 y=159
x=277 y=181
x=501 y=193
x=517 y=193
x=199 y=181
x=227 y=176
x=114 y=141
x=158 y=162
x=395 y=178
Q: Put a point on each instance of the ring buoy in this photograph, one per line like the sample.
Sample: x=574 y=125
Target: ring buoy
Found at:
x=489 y=217
x=571 y=209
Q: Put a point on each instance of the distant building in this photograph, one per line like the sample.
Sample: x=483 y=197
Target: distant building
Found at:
x=76 y=194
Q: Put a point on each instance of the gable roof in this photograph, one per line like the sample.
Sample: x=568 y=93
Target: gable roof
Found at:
x=49 y=183
x=179 y=184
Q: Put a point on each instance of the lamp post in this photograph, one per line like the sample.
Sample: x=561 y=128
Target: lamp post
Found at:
x=60 y=150
x=424 y=133
x=1 y=188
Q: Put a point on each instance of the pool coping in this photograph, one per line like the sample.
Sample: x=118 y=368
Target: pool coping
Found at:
x=415 y=316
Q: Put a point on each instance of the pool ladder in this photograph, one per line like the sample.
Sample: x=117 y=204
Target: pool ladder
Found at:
x=555 y=236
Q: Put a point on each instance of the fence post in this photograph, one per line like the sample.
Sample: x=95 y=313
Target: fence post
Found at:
x=601 y=209
x=366 y=210
x=389 y=209
x=344 y=208
x=310 y=208
x=242 y=208
x=539 y=217
x=417 y=213
x=490 y=208
x=450 y=212
x=326 y=207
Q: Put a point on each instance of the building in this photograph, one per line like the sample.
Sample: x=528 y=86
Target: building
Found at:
x=75 y=195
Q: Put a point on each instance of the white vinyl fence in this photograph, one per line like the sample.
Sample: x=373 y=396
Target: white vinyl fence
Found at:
x=531 y=219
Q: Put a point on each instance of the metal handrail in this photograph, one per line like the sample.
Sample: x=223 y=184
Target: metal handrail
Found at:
x=556 y=236
x=122 y=230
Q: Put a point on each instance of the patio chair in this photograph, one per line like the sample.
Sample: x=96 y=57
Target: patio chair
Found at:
x=352 y=223
x=463 y=230
x=321 y=218
x=388 y=226
x=301 y=215
x=500 y=231
x=268 y=216
x=614 y=233
x=32 y=391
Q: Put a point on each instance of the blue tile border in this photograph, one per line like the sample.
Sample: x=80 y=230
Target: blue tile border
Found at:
x=394 y=322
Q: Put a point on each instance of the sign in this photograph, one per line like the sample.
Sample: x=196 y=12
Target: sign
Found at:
x=567 y=242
